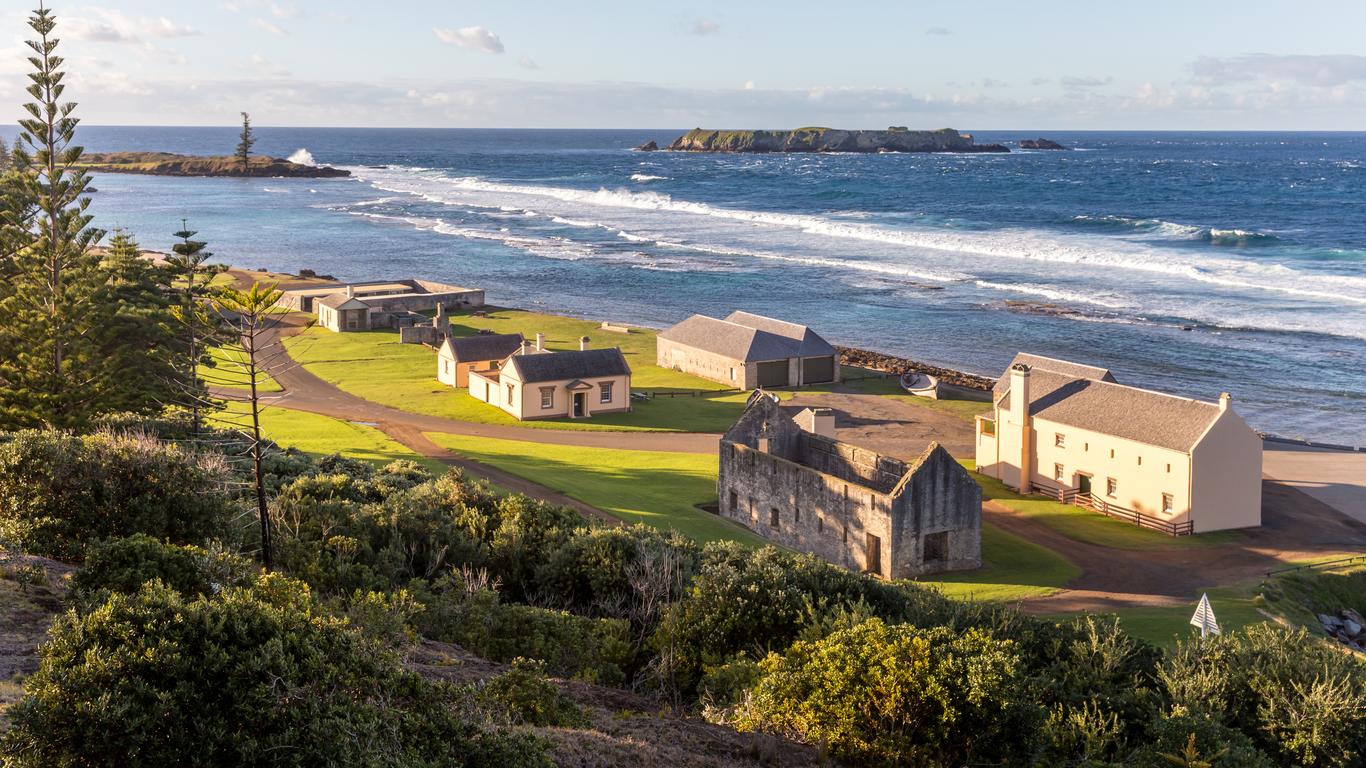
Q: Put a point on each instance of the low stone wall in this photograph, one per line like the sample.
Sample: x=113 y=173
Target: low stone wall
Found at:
x=877 y=361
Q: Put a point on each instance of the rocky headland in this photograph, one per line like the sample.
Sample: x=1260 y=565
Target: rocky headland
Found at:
x=1040 y=144
x=894 y=139
x=168 y=164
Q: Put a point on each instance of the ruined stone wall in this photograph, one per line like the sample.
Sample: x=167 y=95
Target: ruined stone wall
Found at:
x=848 y=462
x=937 y=518
x=798 y=507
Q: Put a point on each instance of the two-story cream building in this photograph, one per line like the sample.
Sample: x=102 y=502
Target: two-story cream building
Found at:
x=1073 y=432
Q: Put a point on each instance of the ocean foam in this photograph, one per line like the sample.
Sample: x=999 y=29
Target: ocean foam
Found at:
x=302 y=157
x=642 y=177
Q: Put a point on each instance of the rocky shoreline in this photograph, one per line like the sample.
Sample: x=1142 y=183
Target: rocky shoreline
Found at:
x=894 y=139
x=877 y=361
x=169 y=164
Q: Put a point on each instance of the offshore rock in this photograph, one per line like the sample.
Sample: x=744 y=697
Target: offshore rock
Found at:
x=648 y=146
x=895 y=139
x=1040 y=144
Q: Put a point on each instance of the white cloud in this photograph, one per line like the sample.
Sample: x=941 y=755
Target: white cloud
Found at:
x=939 y=31
x=749 y=85
x=104 y=25
x=1072 y=81
x=526 y=62
x=1323 y=70
x=476 y=38
x=285 y=11
x=704 y=27
x=266 y=26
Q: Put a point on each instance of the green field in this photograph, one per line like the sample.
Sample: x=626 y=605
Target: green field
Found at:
x=375 y=366
x=319 y=435
x=659 y=489
x=229 y=371
x=1012 y=569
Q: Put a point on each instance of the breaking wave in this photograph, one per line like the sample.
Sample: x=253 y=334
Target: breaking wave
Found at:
x=302 y=157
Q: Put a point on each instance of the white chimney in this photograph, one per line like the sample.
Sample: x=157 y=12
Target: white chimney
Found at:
x=583 y=343
x=1224 y=400
x=350 y=291
x=1019 y=420
x=525 y=348
x=540 y=342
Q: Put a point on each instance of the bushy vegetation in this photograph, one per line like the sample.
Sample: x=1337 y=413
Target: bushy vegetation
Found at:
x=254 y=676
x=60 y=493
x=530 y=698
x=124 y=565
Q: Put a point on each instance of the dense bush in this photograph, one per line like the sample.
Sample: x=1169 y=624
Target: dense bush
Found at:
x=124 y=565
x=529 y=698
x=900 y=695
x=60 y=493
x=627 y=572
x=1300 y=700
x=251 y=677
x=474 y=617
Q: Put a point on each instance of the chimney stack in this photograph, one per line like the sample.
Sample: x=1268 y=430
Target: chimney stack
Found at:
x=1224 y=400
x=525 y=348
x=540 y=342
x=583 y=343
x=350 y=291
x=1018 y=417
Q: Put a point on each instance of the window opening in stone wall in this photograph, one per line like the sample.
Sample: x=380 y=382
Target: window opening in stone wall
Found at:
x=936 y=547
x=773 y=517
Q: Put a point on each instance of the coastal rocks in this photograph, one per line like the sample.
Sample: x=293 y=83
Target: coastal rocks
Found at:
x=1347 y=627
x=896 y=139
x=168 y=164
x=1040 y=144
x=648 y=146
x=877 y=361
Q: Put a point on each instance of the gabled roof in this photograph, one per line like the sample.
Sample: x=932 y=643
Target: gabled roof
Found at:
x=341 y=301
x=1076 y=370
x=1102 y=405
x=748 y=338
x=489 y=346
x=566 y=366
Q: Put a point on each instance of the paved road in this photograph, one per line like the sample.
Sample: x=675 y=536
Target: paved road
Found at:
x=1336 y=478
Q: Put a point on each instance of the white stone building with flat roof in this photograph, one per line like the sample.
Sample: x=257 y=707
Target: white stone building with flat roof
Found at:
x=1075 y=433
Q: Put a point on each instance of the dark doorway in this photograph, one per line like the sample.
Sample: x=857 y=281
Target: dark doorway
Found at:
x=578 y=405
x=936 y=547
x=773 y=374
x=818 y=370
x=1084 y=484
x=874 y=555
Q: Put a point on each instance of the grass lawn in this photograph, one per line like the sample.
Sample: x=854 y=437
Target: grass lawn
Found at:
x=1012 y=569
x=966 y=410
x=1234 y=607
x=655 y=488
x=229 y=372
x=1084 y=525
x=375 y=366
x=319 y=435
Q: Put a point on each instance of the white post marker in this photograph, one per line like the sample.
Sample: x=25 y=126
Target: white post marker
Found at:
x=1204 y=617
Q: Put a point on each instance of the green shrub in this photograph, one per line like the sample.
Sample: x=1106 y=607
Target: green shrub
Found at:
x=124 y=565
x=250 y=677
x=597 y=650
x=626 y=572
x=531 y=699
x=389 y=617
x=60 y=493
x=1298 y=699
x=900 y=695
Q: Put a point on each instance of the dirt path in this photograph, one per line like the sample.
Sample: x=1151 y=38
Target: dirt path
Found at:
x=1295 y=525
x=305 y=392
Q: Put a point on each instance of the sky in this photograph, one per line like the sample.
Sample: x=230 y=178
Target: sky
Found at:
x=985 y=65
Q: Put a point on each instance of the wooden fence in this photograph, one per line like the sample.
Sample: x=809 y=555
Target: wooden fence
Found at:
x=1089 y=501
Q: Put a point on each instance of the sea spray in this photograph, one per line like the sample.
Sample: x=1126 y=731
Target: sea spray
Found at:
x=302 y=156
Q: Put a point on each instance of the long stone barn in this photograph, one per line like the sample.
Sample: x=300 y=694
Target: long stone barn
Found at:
x=847 y=505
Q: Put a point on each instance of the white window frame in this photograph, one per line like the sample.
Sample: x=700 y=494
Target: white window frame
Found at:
x=1111 y=487
x=547 y=398
x=511 y=388
x=1168 y=503
x=605 y=391
x=1059 y=472
x=1059 y=440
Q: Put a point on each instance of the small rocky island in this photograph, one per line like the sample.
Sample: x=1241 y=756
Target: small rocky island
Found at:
x=168 y=164
x=1040 y=144
x=894 y=139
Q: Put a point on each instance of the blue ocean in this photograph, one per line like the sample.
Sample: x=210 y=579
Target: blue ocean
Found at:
x=1189 y=262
